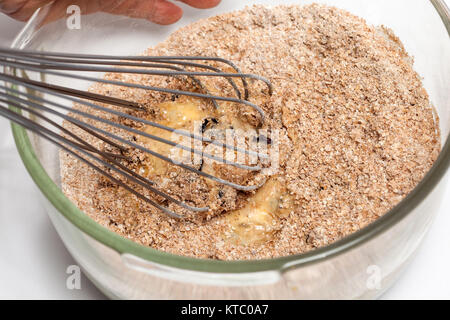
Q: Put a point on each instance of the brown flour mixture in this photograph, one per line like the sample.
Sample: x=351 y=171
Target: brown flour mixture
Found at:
x=357 y=133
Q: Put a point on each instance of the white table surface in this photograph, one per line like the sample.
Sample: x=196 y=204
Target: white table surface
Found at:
x=34 y=261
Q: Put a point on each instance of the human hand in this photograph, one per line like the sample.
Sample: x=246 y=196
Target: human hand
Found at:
x=158 y=11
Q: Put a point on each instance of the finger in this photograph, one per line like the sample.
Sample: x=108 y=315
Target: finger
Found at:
x=23 y=10
x=201 y=4
x=11 y=6
x=158 y=11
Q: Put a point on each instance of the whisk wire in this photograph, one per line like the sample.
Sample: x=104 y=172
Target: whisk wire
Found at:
x=170 y=66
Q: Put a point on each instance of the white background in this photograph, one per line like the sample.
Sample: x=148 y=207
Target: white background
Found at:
x=33 y=260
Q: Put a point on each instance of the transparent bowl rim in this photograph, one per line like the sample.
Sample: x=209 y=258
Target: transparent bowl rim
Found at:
x=122 y=245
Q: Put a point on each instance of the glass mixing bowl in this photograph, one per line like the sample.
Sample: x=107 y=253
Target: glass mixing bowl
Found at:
x=361 y=265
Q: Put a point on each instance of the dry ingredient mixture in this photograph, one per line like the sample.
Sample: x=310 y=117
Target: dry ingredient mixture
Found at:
x=357 y=133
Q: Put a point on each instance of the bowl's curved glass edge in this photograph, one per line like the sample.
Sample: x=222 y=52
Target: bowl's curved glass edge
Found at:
x=443 y=11
x=122 y=245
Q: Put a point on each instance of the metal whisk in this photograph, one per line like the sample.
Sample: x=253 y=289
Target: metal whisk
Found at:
x=57 y=64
